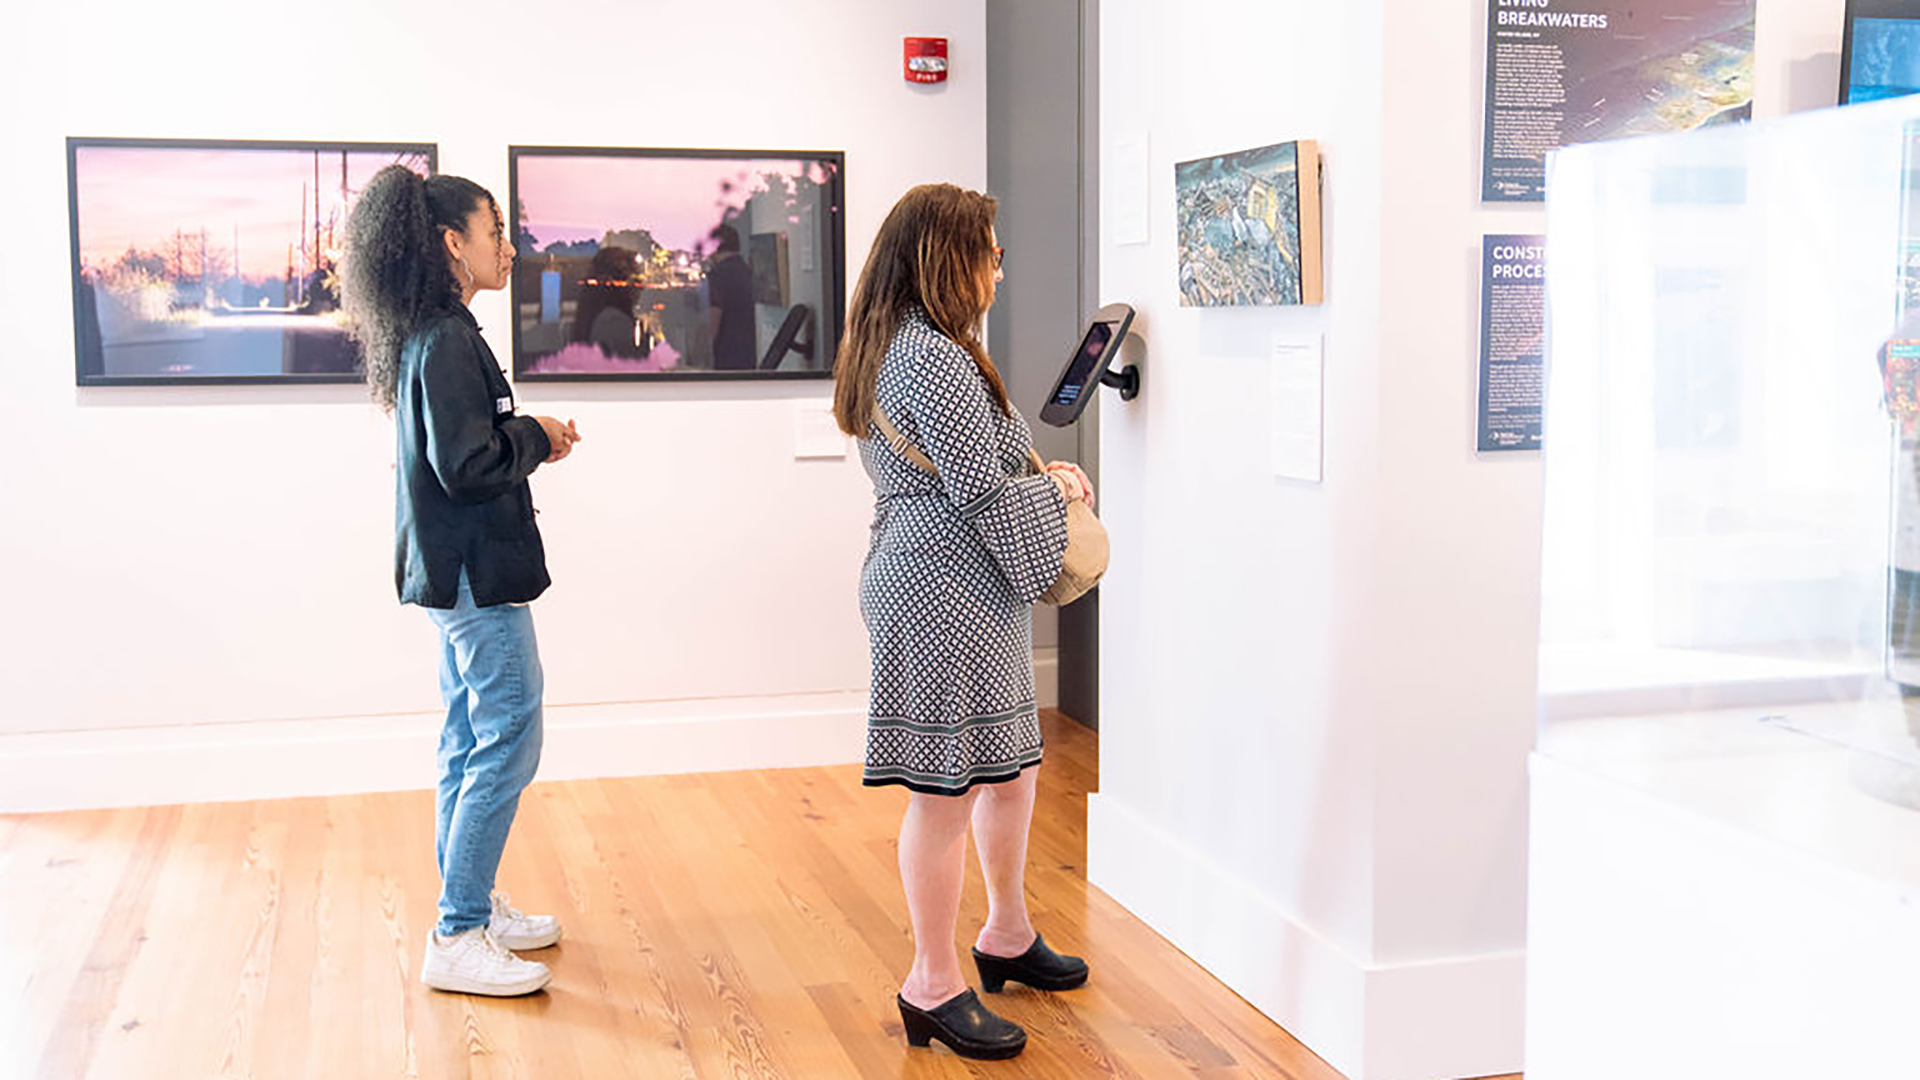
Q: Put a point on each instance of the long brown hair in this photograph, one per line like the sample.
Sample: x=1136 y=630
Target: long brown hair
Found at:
x=935 y=250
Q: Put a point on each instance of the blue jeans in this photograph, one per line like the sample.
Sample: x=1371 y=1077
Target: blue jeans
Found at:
x=489 y=748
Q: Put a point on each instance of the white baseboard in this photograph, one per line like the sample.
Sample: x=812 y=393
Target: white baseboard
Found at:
x=1046 y=677
x=1450 y=1018
x=345 y=755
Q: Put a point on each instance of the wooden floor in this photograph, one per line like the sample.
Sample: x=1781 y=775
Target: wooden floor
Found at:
x=738 y=925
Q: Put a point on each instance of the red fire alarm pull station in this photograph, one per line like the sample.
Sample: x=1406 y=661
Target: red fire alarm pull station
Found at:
x=926 y=59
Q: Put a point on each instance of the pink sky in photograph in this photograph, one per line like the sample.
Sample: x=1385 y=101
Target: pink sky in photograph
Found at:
x=138 y=197
x=679 y=200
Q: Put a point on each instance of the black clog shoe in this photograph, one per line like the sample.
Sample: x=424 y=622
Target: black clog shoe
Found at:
x=968 y=1028
x=1038 y=967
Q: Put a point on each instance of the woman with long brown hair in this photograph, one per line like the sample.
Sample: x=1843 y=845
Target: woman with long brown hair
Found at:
x=965 y=539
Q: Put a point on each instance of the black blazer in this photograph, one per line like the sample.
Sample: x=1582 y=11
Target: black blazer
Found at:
x=461 y=497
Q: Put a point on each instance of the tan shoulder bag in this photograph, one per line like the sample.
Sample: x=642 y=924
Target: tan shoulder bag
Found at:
x=1087 y=549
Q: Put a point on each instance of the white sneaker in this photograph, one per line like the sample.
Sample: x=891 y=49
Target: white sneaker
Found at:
x=474 y=962
x=518 y=930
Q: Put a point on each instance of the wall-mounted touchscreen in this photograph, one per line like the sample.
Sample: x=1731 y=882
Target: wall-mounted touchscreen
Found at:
x=1088 y=365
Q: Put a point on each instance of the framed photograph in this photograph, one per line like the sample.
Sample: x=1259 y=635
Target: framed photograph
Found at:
x=1250 y=227
x=205 y=261
x=676 y=264
x=1880 y=50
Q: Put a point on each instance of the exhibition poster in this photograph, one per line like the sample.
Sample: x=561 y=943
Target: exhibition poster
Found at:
x=1561 y=72
x=1513 y=310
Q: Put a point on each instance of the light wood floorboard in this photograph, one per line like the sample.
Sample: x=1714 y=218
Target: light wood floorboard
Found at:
x=746 y=926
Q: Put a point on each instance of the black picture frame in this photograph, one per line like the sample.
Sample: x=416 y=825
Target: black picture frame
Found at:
x=796 y=343
x=1856 y=10
x=248 y=318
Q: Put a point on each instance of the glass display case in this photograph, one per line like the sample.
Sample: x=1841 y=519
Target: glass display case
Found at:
x=1731 y=564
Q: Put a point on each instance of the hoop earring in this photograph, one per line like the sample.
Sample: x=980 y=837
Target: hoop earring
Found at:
x=465 y=269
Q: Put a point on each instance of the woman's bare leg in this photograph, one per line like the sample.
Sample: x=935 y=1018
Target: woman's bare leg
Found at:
x=933 y=864
x=1002 y=818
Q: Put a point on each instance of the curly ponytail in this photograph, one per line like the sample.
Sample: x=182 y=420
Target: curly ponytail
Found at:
x=394 y=273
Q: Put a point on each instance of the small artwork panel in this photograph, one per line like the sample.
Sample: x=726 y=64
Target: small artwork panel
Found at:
x=768 y=256
x=1250 y=227
x=209 y=261
x=676 y=263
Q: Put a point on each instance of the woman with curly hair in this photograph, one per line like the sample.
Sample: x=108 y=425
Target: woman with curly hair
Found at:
x=465 y=544
x=965 y=538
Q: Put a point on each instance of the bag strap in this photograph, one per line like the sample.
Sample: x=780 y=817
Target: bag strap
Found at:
x=900 y=443
x=908 y=450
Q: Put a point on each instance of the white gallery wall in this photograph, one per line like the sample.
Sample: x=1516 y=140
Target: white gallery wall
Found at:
x=202 y=575
x=1317 y=701
x=1236 y=802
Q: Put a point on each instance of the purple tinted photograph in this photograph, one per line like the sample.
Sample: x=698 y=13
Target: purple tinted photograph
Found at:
x=215 y=262
x=691 y=264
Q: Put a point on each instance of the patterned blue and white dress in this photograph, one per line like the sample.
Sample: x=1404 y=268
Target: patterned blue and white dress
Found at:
x=955 y=564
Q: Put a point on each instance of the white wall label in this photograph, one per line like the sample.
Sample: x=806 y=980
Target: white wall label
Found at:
x=1297 y=409
x=1132 y=187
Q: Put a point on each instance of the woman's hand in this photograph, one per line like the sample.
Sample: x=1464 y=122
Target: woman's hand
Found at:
x=1073 y=483
x=560 y=436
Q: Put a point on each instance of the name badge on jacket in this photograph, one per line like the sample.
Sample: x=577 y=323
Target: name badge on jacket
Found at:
x=502 y=405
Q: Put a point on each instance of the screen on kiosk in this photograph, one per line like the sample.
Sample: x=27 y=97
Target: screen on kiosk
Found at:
x=1083 y=363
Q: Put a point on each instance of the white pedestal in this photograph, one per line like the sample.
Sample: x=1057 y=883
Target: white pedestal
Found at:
x=1715 y=898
